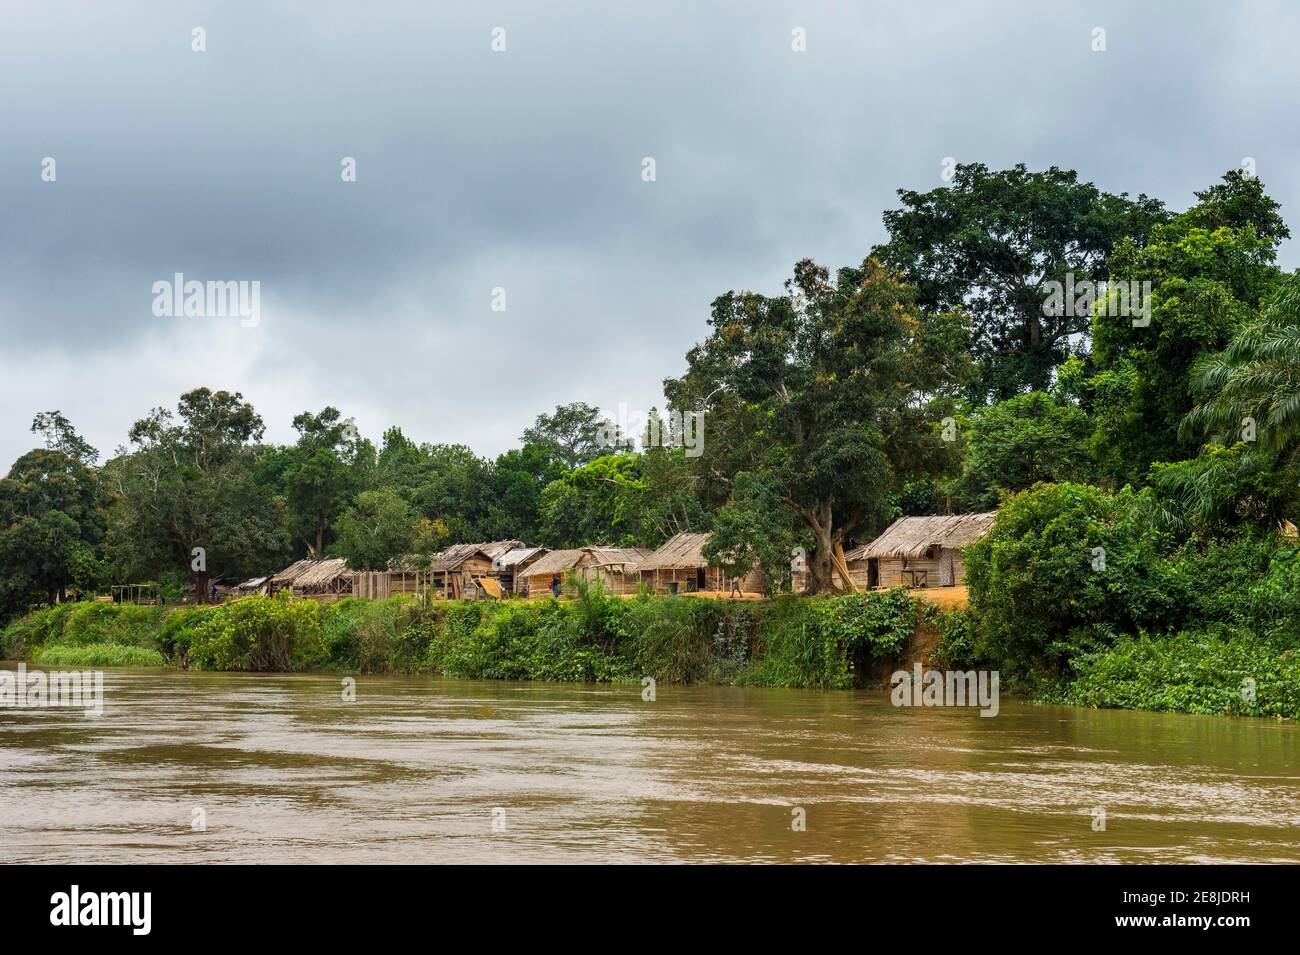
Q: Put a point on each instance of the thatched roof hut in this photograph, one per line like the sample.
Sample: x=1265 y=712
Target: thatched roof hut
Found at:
x=614 y=567
x=617 y=556
x=680 y=565
x=465 y=569
x=684 y=551
x=286 y=577
x=911 y=537
x=324 y=576
x=918 y=551
x=312 y=578
x=455 y=556
x=510 y=566
x=618 y=569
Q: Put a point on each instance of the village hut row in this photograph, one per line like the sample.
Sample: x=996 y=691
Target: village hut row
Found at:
x=912 y=552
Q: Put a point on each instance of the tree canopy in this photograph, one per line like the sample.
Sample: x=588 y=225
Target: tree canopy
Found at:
x=932 y=375
x=991 y=241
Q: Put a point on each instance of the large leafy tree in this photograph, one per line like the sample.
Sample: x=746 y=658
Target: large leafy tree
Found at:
x=571 y=434
x=62 y=437
x=828 y=392
x=319 y=475
x=514 y=502
x=632 y=499
x=753 y=531
x=1239 y=200
x=447 y=483
x=679 y=495
x=597 y=503
x=991 y=241
x=381 y=526
x=1208 y=269
x=1248 y=409
x=52 y=518
x=187 y=496
x=1019 y=442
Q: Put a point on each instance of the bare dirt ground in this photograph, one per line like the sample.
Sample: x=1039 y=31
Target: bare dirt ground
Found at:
x=946 y=598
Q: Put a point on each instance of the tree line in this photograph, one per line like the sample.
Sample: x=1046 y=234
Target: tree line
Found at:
x=935 y=375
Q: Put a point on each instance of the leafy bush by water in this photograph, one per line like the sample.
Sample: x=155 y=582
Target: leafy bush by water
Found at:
x=1202 y=671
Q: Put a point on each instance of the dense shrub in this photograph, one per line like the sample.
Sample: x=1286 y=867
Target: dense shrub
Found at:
x=1218 y=670
x=23 y=636
x=956 y=649
x=1272 y=604
x=258 y=633
x=828 y=642
x=127 y=625
x=687 y=640
x=1064 y=563
x=1215 y=576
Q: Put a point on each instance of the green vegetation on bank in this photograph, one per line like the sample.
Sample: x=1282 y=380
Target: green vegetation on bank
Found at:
x=823 y=642
x=1102 y=599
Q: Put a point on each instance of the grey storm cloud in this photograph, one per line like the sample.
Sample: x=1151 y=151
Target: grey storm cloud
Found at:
x=522 y=170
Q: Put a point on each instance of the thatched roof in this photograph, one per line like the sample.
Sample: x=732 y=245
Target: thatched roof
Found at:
x=306 y=573
x=292 y=572
x=452 y=557
x=457 y=554
x=624 y=559
x=322 y=573
x=556 y=562
x=495 y=549
x=682 y=552
x=627 y=558
x=520 y=555
x=911 y=537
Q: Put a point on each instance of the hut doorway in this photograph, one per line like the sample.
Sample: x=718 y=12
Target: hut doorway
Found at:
x=873 y=573
x=700 y=582
x=946 y=576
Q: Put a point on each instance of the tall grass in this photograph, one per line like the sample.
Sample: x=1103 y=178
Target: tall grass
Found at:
x=98 y=655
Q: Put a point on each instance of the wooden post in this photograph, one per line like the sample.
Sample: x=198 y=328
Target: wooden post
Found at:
x=837 y=556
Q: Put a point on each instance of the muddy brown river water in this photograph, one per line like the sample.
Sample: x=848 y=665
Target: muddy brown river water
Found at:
x=214 y=767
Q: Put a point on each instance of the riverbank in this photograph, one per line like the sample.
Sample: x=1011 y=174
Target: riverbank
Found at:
x=842 y=642
x=829 y=643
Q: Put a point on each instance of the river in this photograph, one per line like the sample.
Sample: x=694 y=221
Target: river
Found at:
x=217 y=767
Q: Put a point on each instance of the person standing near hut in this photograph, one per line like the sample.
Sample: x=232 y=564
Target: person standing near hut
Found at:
x=555 y=586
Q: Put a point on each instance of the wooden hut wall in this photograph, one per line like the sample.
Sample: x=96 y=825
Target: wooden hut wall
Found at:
x=617 y=579
x=476 y=566
x=905 y=572
x=614 y=578
x=687 y=579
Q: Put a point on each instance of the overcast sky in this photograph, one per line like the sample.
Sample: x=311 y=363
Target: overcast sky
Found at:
x=522 y=170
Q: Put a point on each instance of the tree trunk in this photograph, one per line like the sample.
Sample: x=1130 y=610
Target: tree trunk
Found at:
x=820 y=575
x=320 y=539
x=200 y=586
